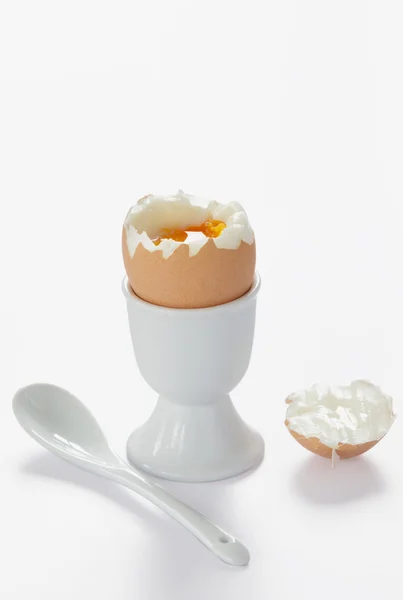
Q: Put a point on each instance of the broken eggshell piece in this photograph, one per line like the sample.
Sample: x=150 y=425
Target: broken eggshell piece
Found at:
x=334 y=420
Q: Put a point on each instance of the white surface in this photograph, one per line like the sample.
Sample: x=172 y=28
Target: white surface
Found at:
x=291 y=108
x=193 y=359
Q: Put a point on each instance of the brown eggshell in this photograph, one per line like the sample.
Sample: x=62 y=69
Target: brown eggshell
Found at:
x=343 y=450
x=212 y=276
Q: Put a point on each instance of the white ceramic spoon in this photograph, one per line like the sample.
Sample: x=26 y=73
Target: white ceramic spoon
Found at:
x=62 y=424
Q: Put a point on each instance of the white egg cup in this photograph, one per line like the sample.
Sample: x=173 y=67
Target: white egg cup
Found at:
x=193 y=358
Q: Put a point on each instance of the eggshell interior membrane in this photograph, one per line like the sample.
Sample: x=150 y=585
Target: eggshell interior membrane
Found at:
x=347 y=419
x=198 y=272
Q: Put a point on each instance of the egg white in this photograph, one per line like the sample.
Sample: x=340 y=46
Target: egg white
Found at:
x=144 y=222
x=353 y=414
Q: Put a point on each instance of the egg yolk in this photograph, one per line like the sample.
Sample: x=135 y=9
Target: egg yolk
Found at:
x=210 y=228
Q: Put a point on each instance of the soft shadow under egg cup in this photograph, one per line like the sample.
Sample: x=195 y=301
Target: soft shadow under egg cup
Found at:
x=193 y=358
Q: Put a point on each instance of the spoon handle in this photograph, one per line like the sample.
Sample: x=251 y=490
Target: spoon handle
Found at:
x=221 y=543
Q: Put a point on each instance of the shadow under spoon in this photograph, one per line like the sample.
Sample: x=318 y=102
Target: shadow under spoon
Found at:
x=63 y=425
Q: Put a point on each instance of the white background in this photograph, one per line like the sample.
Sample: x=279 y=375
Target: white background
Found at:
x=295 y=110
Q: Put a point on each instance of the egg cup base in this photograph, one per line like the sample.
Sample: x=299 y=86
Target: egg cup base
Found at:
x=209 y=442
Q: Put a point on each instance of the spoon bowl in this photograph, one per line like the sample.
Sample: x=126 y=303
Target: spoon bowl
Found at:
x=62 y=424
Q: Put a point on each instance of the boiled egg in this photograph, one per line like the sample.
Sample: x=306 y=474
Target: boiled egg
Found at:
x=182 y=252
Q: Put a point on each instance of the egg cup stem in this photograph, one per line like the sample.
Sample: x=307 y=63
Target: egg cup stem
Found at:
x=194 y=358
x=187 y=443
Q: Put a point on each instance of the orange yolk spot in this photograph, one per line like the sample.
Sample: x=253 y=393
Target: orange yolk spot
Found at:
x=210 y=228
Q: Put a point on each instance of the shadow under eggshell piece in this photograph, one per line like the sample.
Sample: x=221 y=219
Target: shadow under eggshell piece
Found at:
x=345 y=420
